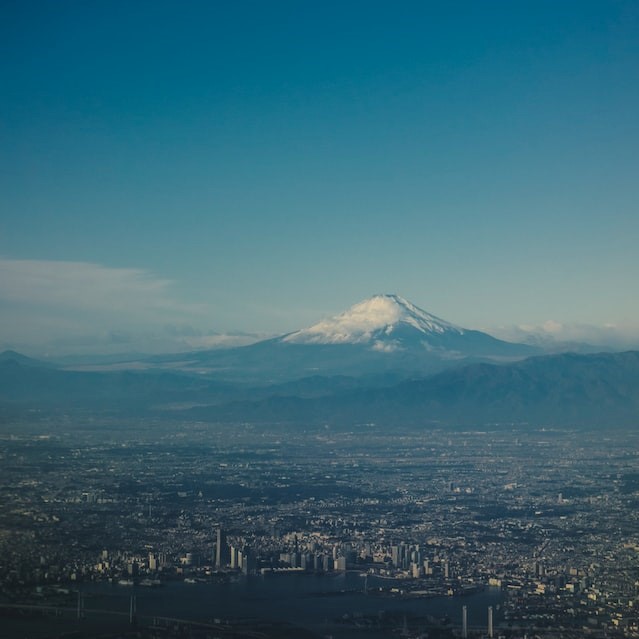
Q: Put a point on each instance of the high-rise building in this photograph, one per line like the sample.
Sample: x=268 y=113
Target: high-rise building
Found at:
x=399 y=556
x=234 y=557
x=490 y=622
x=248 y=561
x=221 y=550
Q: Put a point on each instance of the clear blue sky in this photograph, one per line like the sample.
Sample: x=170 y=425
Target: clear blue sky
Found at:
x=177 y=167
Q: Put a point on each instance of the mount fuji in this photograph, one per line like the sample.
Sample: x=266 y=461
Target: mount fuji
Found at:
x=390 y=323
x=382 y=335
x=384 y=322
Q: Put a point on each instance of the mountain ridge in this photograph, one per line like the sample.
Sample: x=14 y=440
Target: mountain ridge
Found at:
x=553 y=390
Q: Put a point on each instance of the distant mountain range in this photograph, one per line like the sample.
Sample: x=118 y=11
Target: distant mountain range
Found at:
x=558 y=390
x=383 y=361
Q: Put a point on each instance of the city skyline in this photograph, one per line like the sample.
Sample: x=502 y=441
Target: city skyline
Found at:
x=168 y=175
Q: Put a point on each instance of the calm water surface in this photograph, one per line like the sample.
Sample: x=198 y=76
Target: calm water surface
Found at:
x=320 y=603
x=312 y=601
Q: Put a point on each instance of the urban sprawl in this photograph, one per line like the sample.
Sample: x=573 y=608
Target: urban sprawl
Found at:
x=548 y=517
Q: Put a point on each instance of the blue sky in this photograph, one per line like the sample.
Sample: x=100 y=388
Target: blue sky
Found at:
x=169 y=170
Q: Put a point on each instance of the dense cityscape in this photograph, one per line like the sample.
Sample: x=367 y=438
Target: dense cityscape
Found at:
x=319 y=320
x=543 y=522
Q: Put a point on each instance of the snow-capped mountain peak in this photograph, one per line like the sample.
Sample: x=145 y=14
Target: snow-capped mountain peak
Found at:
x=380 y=317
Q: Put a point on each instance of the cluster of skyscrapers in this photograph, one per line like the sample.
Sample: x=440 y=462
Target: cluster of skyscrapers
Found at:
x=227 y=556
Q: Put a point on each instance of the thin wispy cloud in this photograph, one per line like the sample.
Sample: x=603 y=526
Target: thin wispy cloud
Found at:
x=59 y=300
x=81 y=285
x=553 y=332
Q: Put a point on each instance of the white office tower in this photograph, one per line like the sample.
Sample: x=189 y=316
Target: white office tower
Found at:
x=490 y=622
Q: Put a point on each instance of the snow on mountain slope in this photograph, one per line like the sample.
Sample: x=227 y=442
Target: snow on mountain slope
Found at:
x=378 y=320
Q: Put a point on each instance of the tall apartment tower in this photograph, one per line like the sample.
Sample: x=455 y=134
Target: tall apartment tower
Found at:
x=490 y=622
x=221 y=550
